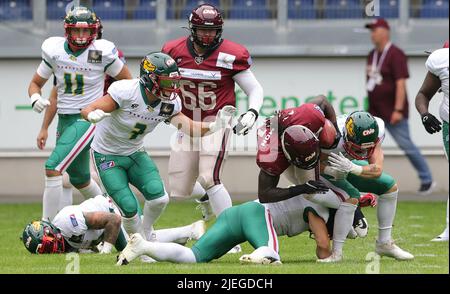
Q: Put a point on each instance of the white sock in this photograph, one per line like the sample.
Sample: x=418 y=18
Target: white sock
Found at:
x=198 y=190
x=219 y=199
x=327 y=199
x=67 y=198
x=169 y=252
x=133 y=224
x=91 y=190
x=387 y=204
x=265 y=251
x=152 y=211
x=343 y=222
x=178 y=235
x=52 y=196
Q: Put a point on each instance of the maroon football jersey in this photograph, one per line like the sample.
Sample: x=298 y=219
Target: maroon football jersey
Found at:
x=207 y=82
x=270 y=156
x=108 y=79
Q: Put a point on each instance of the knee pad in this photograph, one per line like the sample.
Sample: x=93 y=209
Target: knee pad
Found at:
x=153 y=189
x=385 y=182
x=80 y=178
x=126 y=203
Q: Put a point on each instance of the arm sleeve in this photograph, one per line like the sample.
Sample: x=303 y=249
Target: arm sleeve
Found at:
x=400 y=66
x=44 y=70
x=117 y=94
x=248 y=83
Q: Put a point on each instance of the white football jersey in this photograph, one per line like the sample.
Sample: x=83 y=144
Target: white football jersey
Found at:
x=289 y=216
x=341 y=125
x=438 y=63
x=72 y=224
x=79 y=77
x=123 y=132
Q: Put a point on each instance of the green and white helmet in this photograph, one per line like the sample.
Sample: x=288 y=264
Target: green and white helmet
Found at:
x=42 y=237
x=160 y=76
x=360 y=135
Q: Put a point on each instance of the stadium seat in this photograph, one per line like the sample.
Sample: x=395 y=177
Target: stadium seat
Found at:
x=146 y=10
x=110 y=9
x=389 y=8
x=56 y=9
x=15 y=10
x=301 y=9
x=249 y=9
x=343 y=9
x=434 y=9
x=191 y=4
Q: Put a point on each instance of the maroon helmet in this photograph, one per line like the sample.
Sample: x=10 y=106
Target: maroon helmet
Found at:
x=206 y=16
x=300 y=146
x=445 y=44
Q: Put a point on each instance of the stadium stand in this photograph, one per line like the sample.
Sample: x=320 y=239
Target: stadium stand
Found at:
x=15 y=10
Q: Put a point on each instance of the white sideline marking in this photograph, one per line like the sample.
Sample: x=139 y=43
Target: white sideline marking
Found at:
x=431 y=266
x=419 y=235
x=426 y=255
x=416 y=226
x=416 y=217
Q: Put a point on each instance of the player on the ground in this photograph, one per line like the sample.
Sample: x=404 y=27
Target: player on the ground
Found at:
x=131 y=110
x=209 y=66
x=79 y=63
x=436 y=78
x=359 y=156
x=258 y=223
x=276 y=150
x=49 y=115
x=94 y=222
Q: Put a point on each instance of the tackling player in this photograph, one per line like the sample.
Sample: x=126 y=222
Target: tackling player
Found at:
x=79 y=63
x=131 y=110
x=436 y=78
x=209 y=66
x=359 y=156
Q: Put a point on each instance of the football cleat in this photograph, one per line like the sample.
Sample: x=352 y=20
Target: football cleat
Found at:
x=250 y=259
x=235 y=249
x=391 y=250
x=206 y=209
x=442 y=237
x=132 y=250
x=334 y=257
x=197 y=230
x=361 y=228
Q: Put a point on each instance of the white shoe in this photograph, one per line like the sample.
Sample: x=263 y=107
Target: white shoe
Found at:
x=334 y=257
x=197 y=230
x=248 y=258
x=352 y=234
x=235 y=249
x=442 y=237
x=132 y=250
x=362 y=228
x=391 y=250
x=206 y=209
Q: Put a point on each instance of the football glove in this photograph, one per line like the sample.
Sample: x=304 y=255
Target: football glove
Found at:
x=223 y=118
x=97 y=115
x=368 y=199
x=337 y=174
x=431 y=123
x=340 y=162
x=38 y=103
x=245 y=122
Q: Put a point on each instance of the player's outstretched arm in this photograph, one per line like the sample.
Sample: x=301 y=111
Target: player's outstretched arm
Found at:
x=319 y=229
x=373 y=170
x=49 y=115
x=268 y=191
x=429 y=87
x=99 y=109
x=109 y=222
x=124 y=74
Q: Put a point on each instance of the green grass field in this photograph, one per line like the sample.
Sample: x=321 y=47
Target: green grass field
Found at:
x=415 y=225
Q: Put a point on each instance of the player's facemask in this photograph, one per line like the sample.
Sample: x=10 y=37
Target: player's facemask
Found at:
x=80 y=37
x=360 y=152
x=164 y=87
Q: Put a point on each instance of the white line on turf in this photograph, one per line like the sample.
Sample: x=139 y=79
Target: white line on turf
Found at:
x=420 y=235
x=416 y=217
x=422 y=245
x=426 y=255
x=416 y=226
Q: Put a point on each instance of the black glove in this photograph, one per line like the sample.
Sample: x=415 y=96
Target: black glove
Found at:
x=311 y=187
x=431 y=123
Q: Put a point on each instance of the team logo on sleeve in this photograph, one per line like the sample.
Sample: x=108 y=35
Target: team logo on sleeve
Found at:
x=225 y=60
x=95 y=56
x=166 y=109
x=73 y=220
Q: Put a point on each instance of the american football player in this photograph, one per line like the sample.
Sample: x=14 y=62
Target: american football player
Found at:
x=79 y=63
x=131 y=110
x=359 y=156
x=436 y=78
x=209 y=66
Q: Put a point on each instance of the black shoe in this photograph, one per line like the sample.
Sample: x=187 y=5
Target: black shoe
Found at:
x=427 y=188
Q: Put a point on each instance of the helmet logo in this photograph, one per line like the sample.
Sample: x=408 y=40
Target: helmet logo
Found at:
x=311 y=156
x=368 y=132
x=170 y=62
x=209 y=12
x=36 y=225
x=148 y=66
x=350 y=127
